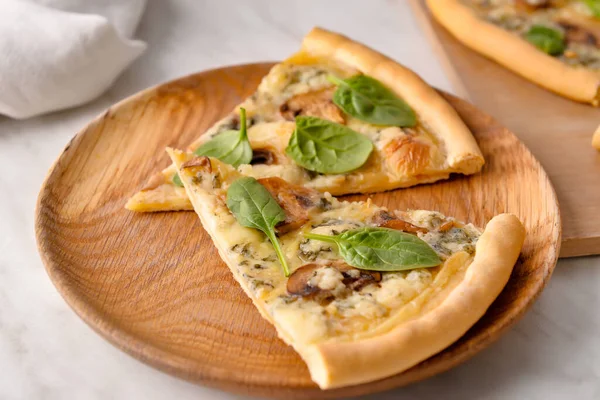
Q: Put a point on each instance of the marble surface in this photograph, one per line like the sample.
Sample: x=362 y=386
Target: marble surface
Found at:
x=47 y=352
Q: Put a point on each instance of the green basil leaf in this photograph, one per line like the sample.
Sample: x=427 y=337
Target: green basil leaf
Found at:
x=254 y=207
x=324 y=146
x=549 y=40
x=381 y=249
x=177 y=180
x=369 y=100
x=231 y=147
x=594 y=6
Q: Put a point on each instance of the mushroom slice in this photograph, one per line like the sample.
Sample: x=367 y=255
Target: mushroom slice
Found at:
x=263 y=156
x=315 y=104
x=387 y=220
x=304 y=281
x=532 y=5
x=295 y=200
x=202 y=162
x=446 y=226
x=578 y=34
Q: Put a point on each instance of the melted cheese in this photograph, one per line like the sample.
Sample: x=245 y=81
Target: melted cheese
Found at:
x=345 y=311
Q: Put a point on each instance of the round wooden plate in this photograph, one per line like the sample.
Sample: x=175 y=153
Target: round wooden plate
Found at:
x=154 y=285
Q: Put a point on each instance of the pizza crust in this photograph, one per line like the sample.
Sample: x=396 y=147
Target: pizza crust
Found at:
x=516 y=54
x=334 y=364
x=463 y=154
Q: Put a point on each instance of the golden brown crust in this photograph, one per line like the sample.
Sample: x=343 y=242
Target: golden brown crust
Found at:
x=335 y=364
x=463 y=154
x=516 y=54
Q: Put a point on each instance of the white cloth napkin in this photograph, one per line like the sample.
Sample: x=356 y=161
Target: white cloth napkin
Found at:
x=56 y=54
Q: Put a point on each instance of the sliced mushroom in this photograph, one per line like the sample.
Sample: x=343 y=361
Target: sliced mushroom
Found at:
x=387 y=220
x=202 y=162
x=315 y=104
x=578 y=34
x=446 y=226
x=295 y=200
x=263 y=156
x=299 y=283
x=532 y=5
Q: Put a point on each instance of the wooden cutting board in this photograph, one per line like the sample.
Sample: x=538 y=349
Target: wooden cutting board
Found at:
x=556 y=130
x=154 y=285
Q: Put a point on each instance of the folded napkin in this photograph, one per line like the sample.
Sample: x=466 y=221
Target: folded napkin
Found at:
x=56 y=54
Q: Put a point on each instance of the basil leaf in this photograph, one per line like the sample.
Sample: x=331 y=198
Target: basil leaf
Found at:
x=549 y=40
x=254 y=207
x=177 y=180
x=594 y=6
x=231 y=147
x=324 y=146
x=369 y=100
x=381 y=249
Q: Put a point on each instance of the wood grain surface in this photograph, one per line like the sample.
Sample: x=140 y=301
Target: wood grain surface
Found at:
x=558 y=131
x=154 y=286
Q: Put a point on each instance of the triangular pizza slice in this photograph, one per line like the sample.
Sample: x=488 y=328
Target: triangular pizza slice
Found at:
x=359 y=291
x=337 y=117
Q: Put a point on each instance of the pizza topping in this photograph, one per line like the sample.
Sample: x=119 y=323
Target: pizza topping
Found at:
x=326 y=147
x=263 y=156
x=531 y=5
x=369 y=100
x=381 y=249
x=202 y=162
x=315 y=104
x=385 y=219
x=295 y=200
x=593 y=7
x=447 y=225
x=407 y=155
x=577 y=34
x=231 y=147
x=254 y=207
x=177 y=180
x=550 y=41
x=331 y=279
x=452 y=240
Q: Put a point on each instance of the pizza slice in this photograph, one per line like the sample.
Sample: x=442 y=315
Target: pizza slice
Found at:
x=336 y=117
x=553 y=43
x=360 y=292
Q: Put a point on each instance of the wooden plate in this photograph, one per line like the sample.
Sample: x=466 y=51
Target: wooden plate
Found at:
x=154 y=286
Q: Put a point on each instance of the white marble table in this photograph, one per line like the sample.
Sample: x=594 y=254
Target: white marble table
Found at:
x=47 y=352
